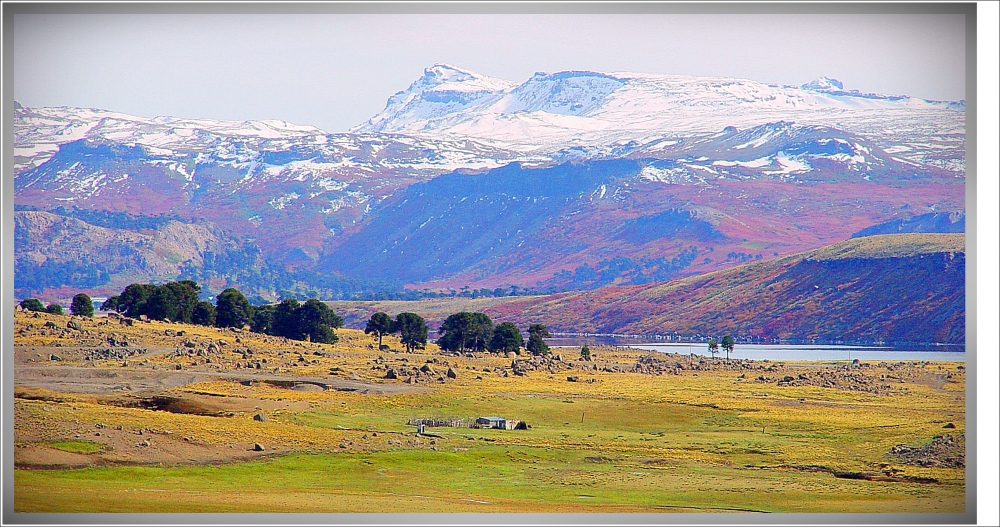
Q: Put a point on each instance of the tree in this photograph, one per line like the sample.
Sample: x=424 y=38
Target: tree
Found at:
x=585 y=352
x=412 y=330
x=283 y=321
x=171 y=301
x=132 y=301
x=379 y=324
x=713 y=347
x=203 y=314
x=465 y=330
x=232 y=310
x=317 y=321
x=453 y=332
x=162 y=304
x=81 y=306
x=262 y=320
x=480 y=331
x=54 y=308
x=186 y=292
x=536 y=335
x=506 y=338
x=111 y=304
x=728 y=344
x=32 y=304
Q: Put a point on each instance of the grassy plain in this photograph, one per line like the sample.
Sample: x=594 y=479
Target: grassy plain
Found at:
x=710 y=439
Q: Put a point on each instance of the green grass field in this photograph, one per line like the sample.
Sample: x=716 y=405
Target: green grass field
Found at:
x=629 y=443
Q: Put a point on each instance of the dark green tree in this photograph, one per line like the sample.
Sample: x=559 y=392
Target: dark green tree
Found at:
x=32 y=304
x=262 y=320
x=203 y=314
x=317 y=321
x=283 y=321
x=111 y=304
x=186 y=292
x=506 y=338
x=161 y=304
x=713 y=347
x=132 y=301
x=379 y=324
x=536 y=339
x=232 y=310
x=465 y=330
x=54 y=308
x=412 y=330
x=81 y=306
x=585 y=352
x=728 y=343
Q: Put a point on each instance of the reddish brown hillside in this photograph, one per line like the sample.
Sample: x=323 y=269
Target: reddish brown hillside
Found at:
x=895 y=288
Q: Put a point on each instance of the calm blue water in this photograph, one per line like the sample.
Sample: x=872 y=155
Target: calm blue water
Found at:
x=779 y=351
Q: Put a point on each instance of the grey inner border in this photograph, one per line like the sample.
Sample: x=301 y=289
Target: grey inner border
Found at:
x=7 y=252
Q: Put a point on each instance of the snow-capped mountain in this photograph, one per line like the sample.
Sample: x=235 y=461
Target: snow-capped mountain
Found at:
x=39 y=132
x=248 y=177
x=671 y=148
x=549 y=112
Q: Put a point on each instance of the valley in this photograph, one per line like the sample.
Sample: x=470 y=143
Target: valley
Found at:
x=160 y=426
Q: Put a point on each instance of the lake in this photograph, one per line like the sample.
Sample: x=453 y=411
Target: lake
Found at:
x=777 y=351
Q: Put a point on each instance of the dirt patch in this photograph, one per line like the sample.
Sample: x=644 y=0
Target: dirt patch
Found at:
x=194 y=403
x=888 y=476
x=39 y=456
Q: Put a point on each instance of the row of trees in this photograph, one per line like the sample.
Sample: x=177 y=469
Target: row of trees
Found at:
x=475 y=331
x=81 y=305
x=178 y=302
x=460 y=332
x=411 y=327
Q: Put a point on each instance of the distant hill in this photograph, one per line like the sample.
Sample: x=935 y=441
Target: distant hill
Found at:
x=939 y=222
x=898 y=289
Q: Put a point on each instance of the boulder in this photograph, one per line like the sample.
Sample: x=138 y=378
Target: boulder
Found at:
x=260 y=418
x=73 y=324
x=452 y=374
x=257 y=447
x=53 y=356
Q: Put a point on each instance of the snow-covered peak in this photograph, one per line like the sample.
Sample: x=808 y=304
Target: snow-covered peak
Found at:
x=441 y=90
x=823 y=84
x=553 y=111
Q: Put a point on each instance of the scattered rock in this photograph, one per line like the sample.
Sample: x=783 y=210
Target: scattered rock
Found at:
x=257 y=447
x=391 y=374
x=261 y=418
x=53 y=356
x=73 y=324
x=949 y=425
x=452 y=374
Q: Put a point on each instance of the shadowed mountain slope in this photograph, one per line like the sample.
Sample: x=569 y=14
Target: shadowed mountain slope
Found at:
x=891 y=288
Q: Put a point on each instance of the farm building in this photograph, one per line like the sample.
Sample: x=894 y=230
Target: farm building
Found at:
x=500 y=423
